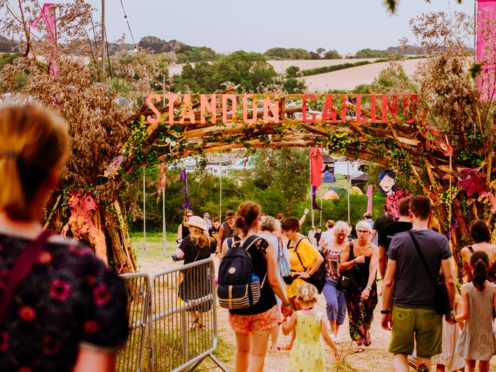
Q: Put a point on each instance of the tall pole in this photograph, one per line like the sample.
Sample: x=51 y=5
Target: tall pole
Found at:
x=103 y=39
x=349 y=189
x=220 y=192
x=144 y=210
x=164 y=225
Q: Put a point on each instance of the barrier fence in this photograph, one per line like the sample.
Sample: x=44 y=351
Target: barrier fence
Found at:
x=172 y=319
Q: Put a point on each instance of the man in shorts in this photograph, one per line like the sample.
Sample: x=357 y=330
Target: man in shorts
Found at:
x=414 y=319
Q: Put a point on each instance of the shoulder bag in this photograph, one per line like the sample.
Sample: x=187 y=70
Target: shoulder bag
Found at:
x=350 y=281
x=318 y=277
x=441 y=292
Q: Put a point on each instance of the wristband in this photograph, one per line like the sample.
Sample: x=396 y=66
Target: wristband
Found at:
x=368 y=287
x=386 y=311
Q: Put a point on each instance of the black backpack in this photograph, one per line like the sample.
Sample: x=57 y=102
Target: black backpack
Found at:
x=237 y=286
x=318 y=278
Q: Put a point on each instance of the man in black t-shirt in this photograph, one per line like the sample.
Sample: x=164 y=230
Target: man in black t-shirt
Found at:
x=379 y=224
x=387 y=232
x=414 y=320
x=227 y=230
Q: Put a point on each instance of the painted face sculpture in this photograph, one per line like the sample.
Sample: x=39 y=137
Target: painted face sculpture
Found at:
x=387 y=181
x=393 y=195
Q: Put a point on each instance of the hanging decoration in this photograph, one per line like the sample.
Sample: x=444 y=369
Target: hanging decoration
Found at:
x=315 y=173
x=485 y=48
x=47 y=15
x=184 y=178
x=369 y=199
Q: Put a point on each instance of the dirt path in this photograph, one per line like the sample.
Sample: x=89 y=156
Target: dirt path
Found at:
x=374 y=358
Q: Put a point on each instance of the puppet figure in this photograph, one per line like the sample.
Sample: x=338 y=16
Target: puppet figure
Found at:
x=387 y=183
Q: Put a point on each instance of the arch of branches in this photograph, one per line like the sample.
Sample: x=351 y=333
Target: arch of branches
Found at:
x=388 y=130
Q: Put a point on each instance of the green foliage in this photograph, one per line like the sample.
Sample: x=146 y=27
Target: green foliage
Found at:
x=371 y=53
x=249 y=70
x=332 y=54
x=288 y=53
x=197 y=54
x=8 y=58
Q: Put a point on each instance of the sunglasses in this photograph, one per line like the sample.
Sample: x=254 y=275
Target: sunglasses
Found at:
x=189 y=215
x=363 y=231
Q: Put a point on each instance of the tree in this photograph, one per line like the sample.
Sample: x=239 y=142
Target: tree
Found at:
x=154 y=44
x=320 y=51
x=332 y=54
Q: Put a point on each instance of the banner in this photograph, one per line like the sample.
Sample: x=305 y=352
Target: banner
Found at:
x=184 y=178
x=315 y=173
x=486 y=47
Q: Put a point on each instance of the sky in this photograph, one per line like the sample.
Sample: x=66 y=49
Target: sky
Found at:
x=257 y=25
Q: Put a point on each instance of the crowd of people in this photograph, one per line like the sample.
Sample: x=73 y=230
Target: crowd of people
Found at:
x=408 y=257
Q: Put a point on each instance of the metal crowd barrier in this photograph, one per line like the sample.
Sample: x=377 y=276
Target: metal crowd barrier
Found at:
x=165 y=334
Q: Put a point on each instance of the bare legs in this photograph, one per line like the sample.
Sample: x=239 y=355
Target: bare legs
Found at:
x=400 y=363
x=250 y=351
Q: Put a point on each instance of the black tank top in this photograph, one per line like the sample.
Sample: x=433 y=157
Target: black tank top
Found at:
x=229 y=231
x=363 y=268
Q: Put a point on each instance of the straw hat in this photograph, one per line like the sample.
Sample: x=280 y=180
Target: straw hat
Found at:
x=196 y=221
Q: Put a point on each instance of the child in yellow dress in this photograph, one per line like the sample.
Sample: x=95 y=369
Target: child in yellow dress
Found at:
x=307 y=353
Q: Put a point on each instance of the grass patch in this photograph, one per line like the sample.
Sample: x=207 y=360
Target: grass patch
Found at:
x=154 y=245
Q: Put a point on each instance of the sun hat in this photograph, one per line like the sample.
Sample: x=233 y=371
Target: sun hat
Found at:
x=198 y=222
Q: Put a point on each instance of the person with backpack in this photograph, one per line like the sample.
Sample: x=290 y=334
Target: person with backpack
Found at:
x=249 y=264
x=304 y=261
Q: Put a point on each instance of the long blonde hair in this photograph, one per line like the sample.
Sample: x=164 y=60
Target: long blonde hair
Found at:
x=33 y=142
x=199 y=237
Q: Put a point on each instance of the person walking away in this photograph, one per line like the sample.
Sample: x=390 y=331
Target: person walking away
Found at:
x=304 y=261
x=227 y=230
x=364 y=255
x=196 y=281
x=381 y=222
x=335 y=299
x=481 y=237
x=308 y=324
x=449 y=360
x=182 y=230
x=386 y=234
x=414 y=319
x=270 y=230
x=252 y=325
x=476 y=342
x=68 y=311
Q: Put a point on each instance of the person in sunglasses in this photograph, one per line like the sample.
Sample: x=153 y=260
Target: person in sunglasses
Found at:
x=182 y=230
x=361 y=255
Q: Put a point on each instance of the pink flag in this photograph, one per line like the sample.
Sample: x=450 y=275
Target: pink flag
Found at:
x=486 y=47
x=315 y=166
x=47 y=15
x=369 y=199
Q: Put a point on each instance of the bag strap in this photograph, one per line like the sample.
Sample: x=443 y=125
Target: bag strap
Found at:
x=471 y=249
x=247 y=245
x=21 y=270
x=297 y=254
x=422 y=258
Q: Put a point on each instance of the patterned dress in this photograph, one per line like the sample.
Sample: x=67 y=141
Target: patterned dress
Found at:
x=307 y=353
x=70 y=298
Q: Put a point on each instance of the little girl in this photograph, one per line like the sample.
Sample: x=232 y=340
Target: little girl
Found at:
x=476 y=341
x=307 y=353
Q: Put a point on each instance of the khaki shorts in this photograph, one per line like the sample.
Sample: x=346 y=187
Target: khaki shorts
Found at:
x=425 y=326
x=257 y=322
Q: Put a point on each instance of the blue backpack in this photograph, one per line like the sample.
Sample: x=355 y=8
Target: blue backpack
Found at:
x=237 y=285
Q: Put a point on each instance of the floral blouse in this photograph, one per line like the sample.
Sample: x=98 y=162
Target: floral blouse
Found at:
x=69 y=298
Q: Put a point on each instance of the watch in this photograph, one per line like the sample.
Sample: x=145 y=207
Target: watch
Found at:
x=386 y=311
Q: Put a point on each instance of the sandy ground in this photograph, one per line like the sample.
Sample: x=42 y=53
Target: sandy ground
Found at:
x=351 y=77
x=374 y=358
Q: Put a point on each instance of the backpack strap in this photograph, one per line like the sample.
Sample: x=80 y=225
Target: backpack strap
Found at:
x=297 y=254
x=246 y=246
x=471 y=249
x=22 y=267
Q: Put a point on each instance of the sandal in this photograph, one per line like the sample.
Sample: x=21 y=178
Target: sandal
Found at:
x=286 y=347
x=201 y=327
x=359 y=350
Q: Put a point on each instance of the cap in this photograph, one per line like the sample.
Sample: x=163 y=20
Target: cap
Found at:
x=198 y=222
x=230 y=213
